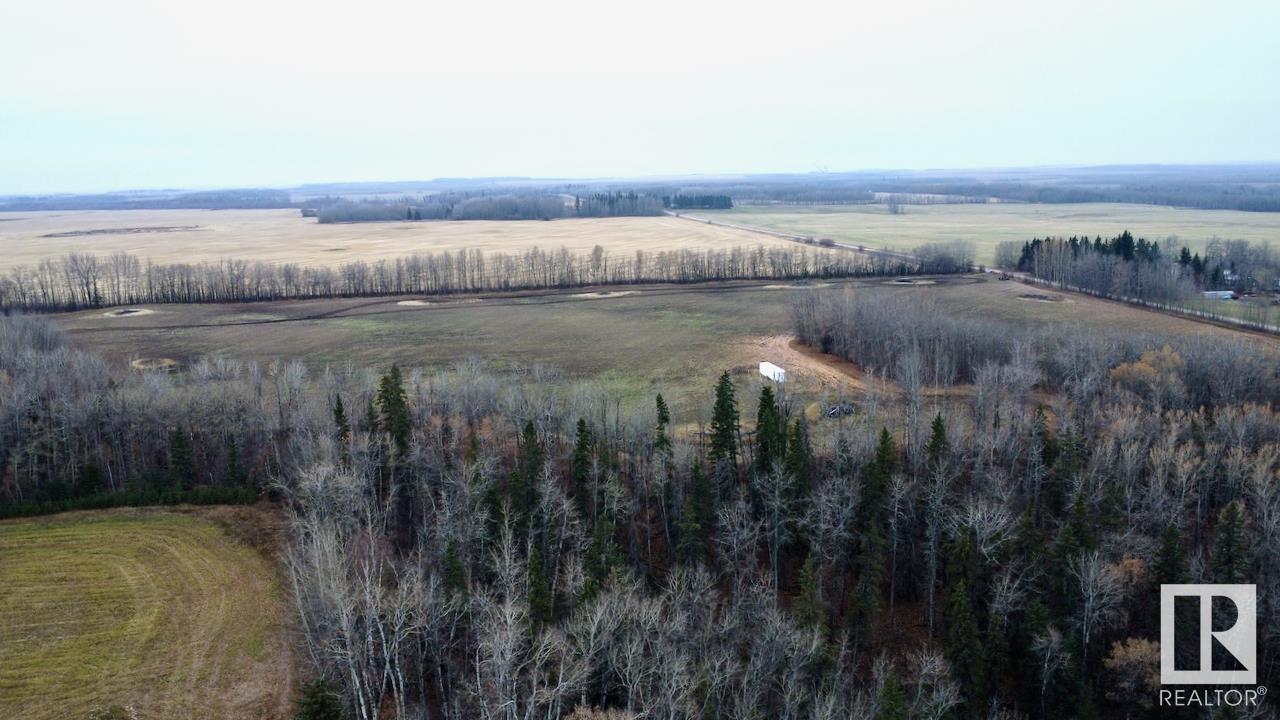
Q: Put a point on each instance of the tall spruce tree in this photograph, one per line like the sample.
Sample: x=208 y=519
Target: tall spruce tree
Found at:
x=938 y=447
x=453 y=571
x=724 y=426
x=580 y=468
x=1231 y=552
x=182 y=463
x=799 y=459
x=808 y=607
x=770 y=432
x=661 y=440
x=393 y=418
x=541 y=602
x=964 y=637
x=340 y=422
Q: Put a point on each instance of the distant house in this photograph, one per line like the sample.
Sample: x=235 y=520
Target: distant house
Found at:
x=1220 y=294
x=773 y=372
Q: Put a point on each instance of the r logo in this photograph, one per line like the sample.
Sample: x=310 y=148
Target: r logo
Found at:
x=1208 y=634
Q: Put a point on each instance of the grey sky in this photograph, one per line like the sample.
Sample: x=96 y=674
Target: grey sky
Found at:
x=131 y=94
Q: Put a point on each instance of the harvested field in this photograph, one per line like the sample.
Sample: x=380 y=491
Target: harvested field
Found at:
x=280 y=236
x=122 y=231
x=988 y=224
x=158 y=614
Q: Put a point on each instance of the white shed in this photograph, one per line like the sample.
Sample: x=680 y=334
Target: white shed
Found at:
x=773 y=372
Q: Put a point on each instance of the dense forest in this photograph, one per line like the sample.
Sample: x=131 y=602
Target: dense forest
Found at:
x=88 y=281
x=469 y=544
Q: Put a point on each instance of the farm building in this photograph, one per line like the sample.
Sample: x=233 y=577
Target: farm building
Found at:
x=773 y=372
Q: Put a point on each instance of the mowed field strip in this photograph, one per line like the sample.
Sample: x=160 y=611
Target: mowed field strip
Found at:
x=160 y=613
x=284 y=236
x=987 y=225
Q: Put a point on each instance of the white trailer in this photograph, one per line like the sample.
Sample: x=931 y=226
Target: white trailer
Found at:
x=773 y=372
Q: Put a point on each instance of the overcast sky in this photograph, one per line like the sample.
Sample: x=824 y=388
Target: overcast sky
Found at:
x=134 y=94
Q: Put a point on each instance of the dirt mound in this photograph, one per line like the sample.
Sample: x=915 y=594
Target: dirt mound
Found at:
x=606 y=294
x=1040 y=297
x=813 y=368
x=150 y=364
x=127 y=312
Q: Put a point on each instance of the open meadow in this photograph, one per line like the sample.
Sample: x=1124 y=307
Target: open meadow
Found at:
x=284 y=236
x=141 y=614
x=634 y=341
x=986 y=225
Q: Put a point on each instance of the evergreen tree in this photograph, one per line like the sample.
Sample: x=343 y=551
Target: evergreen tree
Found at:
x=892 y=700
x=1230 y=554
x=454 y=572
x=182 y=463
x=869 y=552
x=1171 y=563
x=90 y=482
x=690 y=541
x=724 y=425
x=340 y=422
x=1075 y=538
x=580 y=467
x=661 y=442
x=530 y=457
x=394 y=409
x=770 y=433
x=541 y=603
x=936 y=450
x=876 y=475
x=236 y=475
x=601 y=558
x=320 y=700
x=964 y=647
x=808 y=607
x=799 y=461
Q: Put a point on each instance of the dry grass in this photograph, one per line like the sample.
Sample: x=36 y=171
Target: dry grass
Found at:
x=673 y=340
x=284 y=236
x=636 y=340
x=161 y=613
x=987 y=225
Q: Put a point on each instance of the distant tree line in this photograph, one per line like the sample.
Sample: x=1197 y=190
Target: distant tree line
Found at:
x=462 y=206
x=82 y=280
x=203 y=200
x=1130 y=268
x=697 y=202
